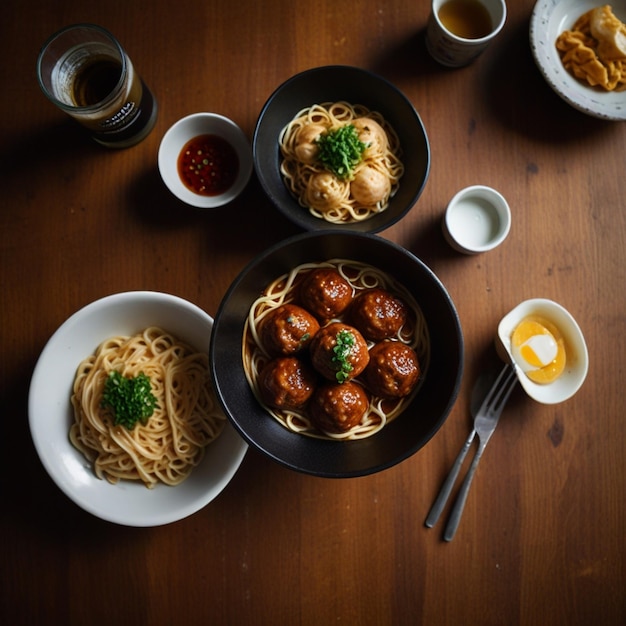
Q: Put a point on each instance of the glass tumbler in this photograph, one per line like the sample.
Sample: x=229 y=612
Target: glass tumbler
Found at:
x=84 y=71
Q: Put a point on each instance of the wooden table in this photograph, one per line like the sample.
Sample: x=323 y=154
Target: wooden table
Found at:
x=543 y=537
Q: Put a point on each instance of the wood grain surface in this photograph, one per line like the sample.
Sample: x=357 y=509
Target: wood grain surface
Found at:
x=543 y=537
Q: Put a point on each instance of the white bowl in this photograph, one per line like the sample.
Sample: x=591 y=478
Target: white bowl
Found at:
x=549 y=19
x=184 y=131
x=577 y=358
x=50 y=413
x=477 y=219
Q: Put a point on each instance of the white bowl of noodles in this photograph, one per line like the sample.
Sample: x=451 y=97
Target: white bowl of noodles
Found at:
x=51 y=414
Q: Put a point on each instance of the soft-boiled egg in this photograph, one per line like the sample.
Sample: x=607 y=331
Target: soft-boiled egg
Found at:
x=565 y=332
x=538 y=348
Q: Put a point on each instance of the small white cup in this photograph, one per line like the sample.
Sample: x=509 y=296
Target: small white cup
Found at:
x=477 y=219
x=453 y=50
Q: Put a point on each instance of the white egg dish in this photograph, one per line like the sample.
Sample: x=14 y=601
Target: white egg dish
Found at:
x=547 y=348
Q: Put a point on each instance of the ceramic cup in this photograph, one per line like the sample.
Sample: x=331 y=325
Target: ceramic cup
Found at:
x=459 y=31
x=477 y=219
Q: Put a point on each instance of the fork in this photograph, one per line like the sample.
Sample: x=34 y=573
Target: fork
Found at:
x=485 y=423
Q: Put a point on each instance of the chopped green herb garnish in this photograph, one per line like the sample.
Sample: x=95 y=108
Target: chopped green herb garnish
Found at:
x=341 y=150
x=130 y=399
x=344 y=342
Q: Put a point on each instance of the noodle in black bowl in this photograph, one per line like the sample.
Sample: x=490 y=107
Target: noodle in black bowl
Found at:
x=332 y=84
x=128 y=502
x=398 y=439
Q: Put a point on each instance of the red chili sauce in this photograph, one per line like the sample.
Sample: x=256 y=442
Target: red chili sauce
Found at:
x=208 y=165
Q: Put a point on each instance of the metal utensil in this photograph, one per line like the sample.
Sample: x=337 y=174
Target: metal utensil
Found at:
x=479 y=394
x=485 y=422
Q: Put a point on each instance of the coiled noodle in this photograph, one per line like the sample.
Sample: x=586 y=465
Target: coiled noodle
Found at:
x=374 y=180
x=173 y=440
x=284 y=290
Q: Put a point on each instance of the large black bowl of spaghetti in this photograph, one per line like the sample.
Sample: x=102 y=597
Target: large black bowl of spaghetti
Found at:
x=422 y=414
x=354 y=94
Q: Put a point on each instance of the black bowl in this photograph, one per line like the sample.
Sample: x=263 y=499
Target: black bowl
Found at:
x=356 y=86
x=399 y=439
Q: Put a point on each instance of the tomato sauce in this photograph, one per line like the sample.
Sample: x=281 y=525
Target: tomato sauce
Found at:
x=208 y=165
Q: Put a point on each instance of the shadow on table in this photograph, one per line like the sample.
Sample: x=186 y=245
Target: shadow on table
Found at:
x=514 y=89
x=31 y=499
x=31 y=159
x=521 y=99
x=249 y=223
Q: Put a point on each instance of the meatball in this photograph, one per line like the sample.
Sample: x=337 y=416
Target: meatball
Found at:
x=339 y=352
x=372 y=134
x=325 y=192
x=378 y=314
x=325 y=293
x=370 y=186
x=337 y=408
x=393 y=370
x=287 y=329
x=286 y=383
x=306 y=148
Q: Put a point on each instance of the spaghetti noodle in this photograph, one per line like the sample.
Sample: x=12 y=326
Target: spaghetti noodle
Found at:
x=373 y=181
x=283 y=290
x=173 y=440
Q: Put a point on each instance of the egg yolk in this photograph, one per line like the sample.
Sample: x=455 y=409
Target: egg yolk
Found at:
x=539 y=349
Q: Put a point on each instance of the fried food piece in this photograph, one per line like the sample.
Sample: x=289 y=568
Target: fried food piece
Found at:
x=610 y=34
x=325 y=192
x=306 y=148
x=372 y=134
x=594 y=50
x=370 y=185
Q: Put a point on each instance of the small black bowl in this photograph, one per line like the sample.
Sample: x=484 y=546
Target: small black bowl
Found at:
x=399 y=439
x=357 y=86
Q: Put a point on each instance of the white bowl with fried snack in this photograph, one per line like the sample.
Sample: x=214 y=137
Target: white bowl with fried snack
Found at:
x=549 y=19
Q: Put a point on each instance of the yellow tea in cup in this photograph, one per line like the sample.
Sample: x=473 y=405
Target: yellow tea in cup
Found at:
x=468 y=19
